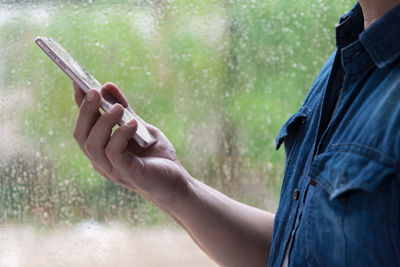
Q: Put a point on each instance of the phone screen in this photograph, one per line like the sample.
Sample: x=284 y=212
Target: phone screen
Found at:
x=71 y=63
x=86 y=81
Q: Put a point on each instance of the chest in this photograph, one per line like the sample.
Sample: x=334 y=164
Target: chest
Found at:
x=345 y=172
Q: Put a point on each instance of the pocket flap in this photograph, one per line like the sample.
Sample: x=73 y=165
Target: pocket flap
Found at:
x=292 y=124
x=340 y=172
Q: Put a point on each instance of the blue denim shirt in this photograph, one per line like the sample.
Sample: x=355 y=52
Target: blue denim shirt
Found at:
x=340 y=199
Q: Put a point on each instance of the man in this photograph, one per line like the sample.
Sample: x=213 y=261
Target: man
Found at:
x=340 y=200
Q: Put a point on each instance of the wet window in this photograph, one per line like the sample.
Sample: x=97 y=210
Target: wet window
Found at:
x=217 y=77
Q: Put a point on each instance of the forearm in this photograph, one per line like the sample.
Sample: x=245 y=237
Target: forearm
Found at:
x=231 y=233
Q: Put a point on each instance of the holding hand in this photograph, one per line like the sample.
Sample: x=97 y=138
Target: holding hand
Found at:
x=153 y=172
x=231 y=233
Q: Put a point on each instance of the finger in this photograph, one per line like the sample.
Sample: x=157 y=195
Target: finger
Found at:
x=99 y=136
x=113 y=94
x=88 y=115
x=79 y=95
x=141 y=151
x=101 y=172
x=155 y=131
x=117 y=148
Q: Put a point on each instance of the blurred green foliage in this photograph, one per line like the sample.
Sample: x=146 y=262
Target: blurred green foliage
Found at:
x=217 y=77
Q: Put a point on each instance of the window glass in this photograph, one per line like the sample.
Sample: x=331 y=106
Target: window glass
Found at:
x=217 y=77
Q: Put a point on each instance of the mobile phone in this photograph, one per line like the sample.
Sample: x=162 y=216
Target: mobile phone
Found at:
x=86 y=81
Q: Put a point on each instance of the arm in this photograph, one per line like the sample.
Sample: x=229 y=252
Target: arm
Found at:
x=231 y=233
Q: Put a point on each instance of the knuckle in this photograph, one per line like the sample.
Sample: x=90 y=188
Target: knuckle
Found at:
x=90 y=148
x=107 y=116
x=115 y=176
x=84 y=107
x=109 y=151
x=76 y=135
x=112 y=172
x=123 y=131
x=88 y=106
x=110 y=118
x=101 y=171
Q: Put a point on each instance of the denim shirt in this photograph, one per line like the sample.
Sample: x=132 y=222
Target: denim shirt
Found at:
x=340 y=199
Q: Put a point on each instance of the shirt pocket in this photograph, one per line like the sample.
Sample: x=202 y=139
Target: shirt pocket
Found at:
x=342 y=172
x=290 y=128
x=352 y=213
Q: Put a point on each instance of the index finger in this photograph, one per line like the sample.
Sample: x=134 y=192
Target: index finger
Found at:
x=79 y=95
x=113 y=94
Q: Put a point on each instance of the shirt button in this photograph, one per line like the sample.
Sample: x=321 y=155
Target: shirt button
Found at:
x=296 y=194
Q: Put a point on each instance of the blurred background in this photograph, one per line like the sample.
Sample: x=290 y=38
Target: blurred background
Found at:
x=219 y=78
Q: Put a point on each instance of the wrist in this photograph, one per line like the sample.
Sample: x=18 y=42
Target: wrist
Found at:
x=181 y=190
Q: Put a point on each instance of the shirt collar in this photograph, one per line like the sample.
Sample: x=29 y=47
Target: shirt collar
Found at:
x=382 y=38
x=350 y=26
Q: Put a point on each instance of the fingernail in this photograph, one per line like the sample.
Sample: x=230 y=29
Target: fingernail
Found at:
x=132 y=122
x=114 y=108
x=90 y=96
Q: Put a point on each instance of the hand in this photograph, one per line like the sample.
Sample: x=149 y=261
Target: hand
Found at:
x=153 y=172
x=232 y=233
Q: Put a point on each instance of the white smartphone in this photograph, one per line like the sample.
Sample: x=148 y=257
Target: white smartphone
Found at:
x=79 y=75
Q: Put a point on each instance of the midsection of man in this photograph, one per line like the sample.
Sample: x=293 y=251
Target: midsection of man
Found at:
x=340 y=200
